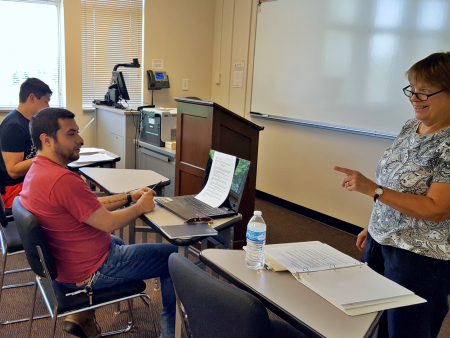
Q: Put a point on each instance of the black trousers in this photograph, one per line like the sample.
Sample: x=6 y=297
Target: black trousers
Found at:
x=427 y=277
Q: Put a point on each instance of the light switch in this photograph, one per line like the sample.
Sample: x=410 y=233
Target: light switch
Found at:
x=185 y=85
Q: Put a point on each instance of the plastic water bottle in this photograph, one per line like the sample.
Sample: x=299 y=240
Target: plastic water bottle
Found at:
x=256 y=239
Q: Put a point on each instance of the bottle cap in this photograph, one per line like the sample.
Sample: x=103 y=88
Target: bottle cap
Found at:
x=257 y=213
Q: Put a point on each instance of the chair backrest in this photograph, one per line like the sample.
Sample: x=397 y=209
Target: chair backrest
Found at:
x=3 y=219
x=215 y=308
x=32 y=235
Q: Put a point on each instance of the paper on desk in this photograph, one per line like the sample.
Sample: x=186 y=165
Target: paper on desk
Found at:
x=94 y=158
x=310 y=256
x=218 y=186
x=354 y=287
x=91 y=150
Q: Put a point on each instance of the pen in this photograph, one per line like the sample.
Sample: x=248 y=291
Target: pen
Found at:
x=156 y=185
x=81 y=132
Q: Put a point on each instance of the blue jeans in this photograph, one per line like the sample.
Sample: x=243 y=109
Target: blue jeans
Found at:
x=427 y=277
x=139 y=261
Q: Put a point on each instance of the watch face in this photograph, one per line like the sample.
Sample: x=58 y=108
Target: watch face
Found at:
x=378 y=191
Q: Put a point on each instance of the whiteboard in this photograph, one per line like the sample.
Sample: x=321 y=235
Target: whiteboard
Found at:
x=343 y=62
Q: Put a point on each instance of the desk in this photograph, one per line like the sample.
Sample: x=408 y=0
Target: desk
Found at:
x=118 y=181
x=289 y=299
x=111 y=164
x=159 y=217
x=122 y=180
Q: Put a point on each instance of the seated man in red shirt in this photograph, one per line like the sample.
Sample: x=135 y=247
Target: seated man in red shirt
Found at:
x=77 y=224
x=16 y=149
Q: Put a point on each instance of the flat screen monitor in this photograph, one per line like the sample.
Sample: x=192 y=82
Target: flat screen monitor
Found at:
x=117 y=78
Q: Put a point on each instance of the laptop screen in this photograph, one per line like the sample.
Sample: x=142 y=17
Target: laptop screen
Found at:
x=237 y=184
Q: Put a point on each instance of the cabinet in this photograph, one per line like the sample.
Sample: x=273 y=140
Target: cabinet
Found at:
x=116 y=130
x=160 y=160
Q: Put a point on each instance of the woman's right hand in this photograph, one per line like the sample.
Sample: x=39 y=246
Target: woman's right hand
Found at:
x=361 y=240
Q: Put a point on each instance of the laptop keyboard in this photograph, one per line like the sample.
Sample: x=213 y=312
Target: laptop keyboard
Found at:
x=201 y=207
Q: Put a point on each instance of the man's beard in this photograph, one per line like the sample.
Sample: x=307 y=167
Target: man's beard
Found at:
x=66 y=154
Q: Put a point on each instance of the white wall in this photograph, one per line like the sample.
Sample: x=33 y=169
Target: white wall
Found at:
x=182 y=34
x=294 y=162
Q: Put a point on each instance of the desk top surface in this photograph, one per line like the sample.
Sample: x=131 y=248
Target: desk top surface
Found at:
x=116 y=181
x=160 y=217
x=131 y=111
x=287 y=294
x=165 y=151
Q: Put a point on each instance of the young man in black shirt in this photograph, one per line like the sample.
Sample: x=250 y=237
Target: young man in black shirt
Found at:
x=16 y=148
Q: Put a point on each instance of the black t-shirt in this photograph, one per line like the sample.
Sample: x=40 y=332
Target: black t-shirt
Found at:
x=15 y=138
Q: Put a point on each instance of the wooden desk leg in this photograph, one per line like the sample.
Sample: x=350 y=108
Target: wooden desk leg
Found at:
x=131 y=232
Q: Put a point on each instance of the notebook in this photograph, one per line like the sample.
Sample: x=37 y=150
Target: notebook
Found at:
x=348 y=284
x=217 y=177
x=188 y=230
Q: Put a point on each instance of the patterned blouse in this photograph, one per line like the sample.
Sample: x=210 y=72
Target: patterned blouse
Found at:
x=410 y=165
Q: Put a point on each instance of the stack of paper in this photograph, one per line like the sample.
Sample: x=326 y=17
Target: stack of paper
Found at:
x=350 y=285
x=88 y=155
x=88 y=151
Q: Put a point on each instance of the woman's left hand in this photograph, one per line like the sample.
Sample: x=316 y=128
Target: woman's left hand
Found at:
x=355 y=181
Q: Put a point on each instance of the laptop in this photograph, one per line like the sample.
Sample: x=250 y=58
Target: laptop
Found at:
x=189 y=207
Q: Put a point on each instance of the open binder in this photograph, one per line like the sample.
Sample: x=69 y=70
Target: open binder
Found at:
x=350 y=285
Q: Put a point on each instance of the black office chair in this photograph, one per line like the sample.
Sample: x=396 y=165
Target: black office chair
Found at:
x=11 y=245
x=216 y=309
x=42 y=263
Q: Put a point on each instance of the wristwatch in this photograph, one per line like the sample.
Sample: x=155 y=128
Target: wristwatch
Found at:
x=129 y=200
x=378 y=193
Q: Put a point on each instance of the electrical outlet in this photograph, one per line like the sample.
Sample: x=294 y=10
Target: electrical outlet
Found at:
x=185 y=85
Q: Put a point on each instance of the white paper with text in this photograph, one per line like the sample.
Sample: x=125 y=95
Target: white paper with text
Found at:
x=354 y=287
x=310 y=256
x=218 y=186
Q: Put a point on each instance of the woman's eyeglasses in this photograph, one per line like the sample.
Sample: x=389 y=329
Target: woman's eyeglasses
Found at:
x=420 y=96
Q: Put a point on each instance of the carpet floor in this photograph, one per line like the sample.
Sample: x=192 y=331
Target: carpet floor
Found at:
x=283 y=226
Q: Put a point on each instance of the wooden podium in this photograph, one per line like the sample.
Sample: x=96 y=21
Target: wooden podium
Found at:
x=202 y=126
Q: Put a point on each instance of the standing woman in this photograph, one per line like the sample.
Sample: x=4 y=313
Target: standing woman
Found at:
x=408 y=238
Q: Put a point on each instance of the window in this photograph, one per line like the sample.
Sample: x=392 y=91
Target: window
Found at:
x=32 y=47
x=111 y=35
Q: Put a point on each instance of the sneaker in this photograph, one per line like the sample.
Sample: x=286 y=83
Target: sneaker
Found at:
x=82 y=324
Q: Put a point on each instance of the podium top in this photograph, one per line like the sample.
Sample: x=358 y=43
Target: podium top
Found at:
x=218 y=106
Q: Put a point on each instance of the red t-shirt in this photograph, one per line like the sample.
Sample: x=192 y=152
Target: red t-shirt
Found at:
x=62 y=201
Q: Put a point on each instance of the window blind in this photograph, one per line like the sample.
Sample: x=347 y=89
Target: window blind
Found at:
x=111 y=34
x=33 y=39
